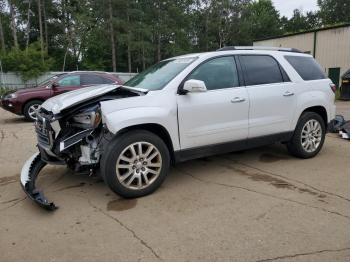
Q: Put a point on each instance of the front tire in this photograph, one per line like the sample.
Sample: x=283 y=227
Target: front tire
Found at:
x=308 y=137
x=135 y=163
x=30 y=109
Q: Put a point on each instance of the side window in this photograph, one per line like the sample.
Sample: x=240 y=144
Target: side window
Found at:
x=261 y=69
x=307 y=67
x=108 y=81
x=71 y=80
x=92 y=80
x=217 y=73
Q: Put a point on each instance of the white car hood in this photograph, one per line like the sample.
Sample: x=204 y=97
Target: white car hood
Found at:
x=57 y=103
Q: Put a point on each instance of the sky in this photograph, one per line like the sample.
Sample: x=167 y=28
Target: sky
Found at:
x=286 y=7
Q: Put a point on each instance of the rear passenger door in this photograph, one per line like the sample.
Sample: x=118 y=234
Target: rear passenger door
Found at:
x=94 y=79
x=271 y=95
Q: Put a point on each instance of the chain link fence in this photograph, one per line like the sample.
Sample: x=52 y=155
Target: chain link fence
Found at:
x=11 y=80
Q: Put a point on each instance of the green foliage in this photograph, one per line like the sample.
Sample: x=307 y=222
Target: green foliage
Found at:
x=300 y=22
x=145 y=31
x=261 y=19
x=5 y=90
x=334 y=11
x=27 y=63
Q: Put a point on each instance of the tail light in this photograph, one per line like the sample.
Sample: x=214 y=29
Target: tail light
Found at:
x=333 y=87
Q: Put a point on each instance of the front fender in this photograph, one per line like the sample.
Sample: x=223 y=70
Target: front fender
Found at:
x=118 y=120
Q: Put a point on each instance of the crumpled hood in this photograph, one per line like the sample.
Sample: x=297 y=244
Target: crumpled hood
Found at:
x=57 y=103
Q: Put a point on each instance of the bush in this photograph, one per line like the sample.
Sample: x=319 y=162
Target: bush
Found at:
x=27 y=63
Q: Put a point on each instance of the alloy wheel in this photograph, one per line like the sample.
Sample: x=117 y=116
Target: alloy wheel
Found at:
x=32 y=111
x=139 y=165
x=311 y=135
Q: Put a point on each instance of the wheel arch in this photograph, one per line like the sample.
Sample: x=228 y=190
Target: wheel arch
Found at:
x=156 y=129
x=31 y=100
x=320 y=110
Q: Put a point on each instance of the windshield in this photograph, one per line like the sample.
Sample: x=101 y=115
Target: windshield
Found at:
x=157 y=76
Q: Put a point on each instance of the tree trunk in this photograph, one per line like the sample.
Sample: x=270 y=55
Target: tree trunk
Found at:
x=111 y=28
x=64 y=59
x=143 y=57
x=159 y=56
x=41 y=30
x=45 y=27
x=28 y=25
x=2 y=38
x=129 y=57
x=129 y=48
x=206 y=33
x=13 y=25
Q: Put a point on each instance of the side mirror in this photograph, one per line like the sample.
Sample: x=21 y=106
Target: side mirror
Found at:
x=194 y=85
x=54 y=85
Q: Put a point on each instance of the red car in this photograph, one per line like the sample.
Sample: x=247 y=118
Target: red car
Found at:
x=26 y=101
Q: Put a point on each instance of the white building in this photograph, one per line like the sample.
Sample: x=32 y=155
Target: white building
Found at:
x=330 y=46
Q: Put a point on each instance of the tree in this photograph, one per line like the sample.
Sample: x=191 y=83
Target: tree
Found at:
x=260 y=19
x=13 y=24
x=28 y=23
x=41 y=29
x=334 y=11
x=111 y=28
x=129 y=35
x=2 y=37
x=300 y=22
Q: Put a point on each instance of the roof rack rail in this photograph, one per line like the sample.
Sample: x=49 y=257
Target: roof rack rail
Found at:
x=267 y=48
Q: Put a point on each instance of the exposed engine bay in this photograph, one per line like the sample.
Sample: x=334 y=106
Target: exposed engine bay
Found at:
x=75 y=137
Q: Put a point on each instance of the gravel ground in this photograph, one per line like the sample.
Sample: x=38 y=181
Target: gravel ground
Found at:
x=256 y=205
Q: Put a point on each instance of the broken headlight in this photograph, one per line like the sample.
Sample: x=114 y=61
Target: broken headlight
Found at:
x=88 y=118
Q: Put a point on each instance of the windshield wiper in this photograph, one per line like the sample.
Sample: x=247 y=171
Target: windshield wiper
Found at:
x=142 y=90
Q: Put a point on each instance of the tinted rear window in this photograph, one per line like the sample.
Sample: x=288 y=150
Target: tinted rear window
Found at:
x=92 y=80
x=307 y=67
x=261 y=69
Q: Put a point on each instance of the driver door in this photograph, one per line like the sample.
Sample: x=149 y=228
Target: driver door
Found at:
x=218 y=115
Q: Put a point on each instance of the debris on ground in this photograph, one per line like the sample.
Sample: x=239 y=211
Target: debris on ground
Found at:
x=339 y=125
x=336 y=124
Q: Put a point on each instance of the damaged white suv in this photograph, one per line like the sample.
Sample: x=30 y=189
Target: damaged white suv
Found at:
x=183 y=108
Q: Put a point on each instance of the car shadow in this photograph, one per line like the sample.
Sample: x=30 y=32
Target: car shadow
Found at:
x=15 y=120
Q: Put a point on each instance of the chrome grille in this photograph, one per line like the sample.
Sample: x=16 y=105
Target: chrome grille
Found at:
x=44 y=132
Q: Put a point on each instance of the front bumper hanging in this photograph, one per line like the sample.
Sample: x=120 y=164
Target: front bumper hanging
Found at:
x=29 y=173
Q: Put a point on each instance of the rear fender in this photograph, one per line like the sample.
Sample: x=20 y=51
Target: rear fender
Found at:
x=311 y=99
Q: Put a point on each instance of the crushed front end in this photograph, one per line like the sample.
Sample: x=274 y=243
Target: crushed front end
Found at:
x=74 y=141
x=70 y=132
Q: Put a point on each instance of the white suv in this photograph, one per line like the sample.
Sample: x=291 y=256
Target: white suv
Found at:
x=183 y=108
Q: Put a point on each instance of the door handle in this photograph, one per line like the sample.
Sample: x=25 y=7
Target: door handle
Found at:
x=288 y=93
x=237 y=100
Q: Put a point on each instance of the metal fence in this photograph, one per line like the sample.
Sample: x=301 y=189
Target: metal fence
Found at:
x=14 y=81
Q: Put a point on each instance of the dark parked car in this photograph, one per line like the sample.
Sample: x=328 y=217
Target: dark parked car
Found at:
x=26 y=101
x=345 y=86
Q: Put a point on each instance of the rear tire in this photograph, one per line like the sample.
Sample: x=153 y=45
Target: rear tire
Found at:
x=29 y=109
x=135 y=163
x=308 y=137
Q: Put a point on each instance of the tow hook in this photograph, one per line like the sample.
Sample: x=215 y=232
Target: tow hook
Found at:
x=29 y=174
